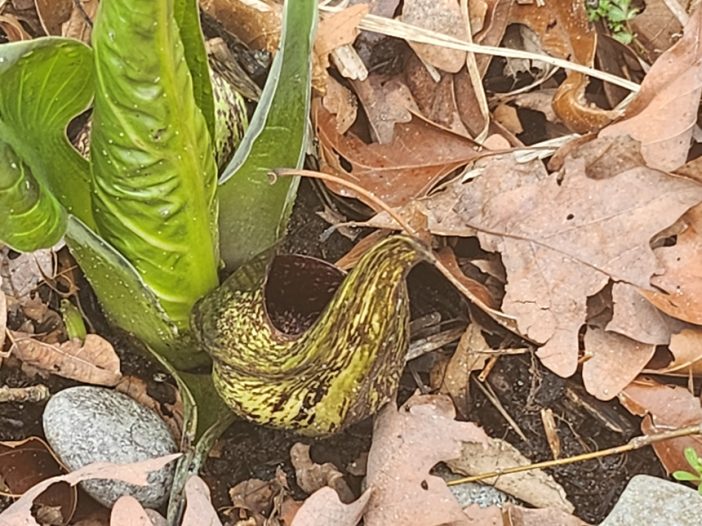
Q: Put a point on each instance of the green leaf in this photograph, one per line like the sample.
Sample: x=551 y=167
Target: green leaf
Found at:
x=685 y=476
x=33 y=217
x=45 y=83
x=187 y=17
x=153 y=167
x=126 y=300
x=73 y=320
x=253 y=213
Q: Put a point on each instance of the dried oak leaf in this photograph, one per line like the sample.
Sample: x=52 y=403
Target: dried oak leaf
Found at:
x=93 y=361
x=442 y=16
x=419 y=156
x=680 y=279
x=407 y=443
x=561 y=241
x=664 y=113
x=686 y=348
x=665 y=407
x=53 y=13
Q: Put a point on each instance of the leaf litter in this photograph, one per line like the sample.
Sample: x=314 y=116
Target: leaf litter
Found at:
x=606 y=219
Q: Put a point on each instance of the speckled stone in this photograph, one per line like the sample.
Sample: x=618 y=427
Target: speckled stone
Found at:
x=656 y=502
x=89 y=424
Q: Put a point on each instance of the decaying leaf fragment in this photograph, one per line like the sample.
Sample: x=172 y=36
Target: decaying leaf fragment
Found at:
x=93 y=361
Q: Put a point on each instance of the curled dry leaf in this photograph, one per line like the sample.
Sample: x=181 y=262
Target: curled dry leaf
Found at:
x=199 y=509
x=564 y=32
x=93 y=361
x=407 y=443
x=20 y=512
x=419 y=156
x=311 y=476
x=664 y=112
x=665 y=407
x=442 y=16
x=534 y=486
x=13 y=29
x=78 y=25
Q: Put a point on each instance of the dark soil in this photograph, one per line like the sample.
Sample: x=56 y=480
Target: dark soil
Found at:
x=521 y=384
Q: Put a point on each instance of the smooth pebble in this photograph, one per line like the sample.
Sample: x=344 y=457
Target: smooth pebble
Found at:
x=89 y=424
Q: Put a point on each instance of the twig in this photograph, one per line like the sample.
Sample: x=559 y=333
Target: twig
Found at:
x=635 y=443
x=32 y=393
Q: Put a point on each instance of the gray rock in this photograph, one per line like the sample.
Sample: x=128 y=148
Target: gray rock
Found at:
x=89 y=424
x=655 y=502
x=481 y=494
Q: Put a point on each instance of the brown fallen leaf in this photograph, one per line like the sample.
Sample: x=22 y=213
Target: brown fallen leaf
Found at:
x=656 y=28
x=20 y=511
x=336 y=30
x=387 y=101
x=635 y=317
x=78 y=25
x=521 y=516
x=93 y=361
x=564 y=31
x=52 y=14
x=324 y=507
x=22 y=274
x=680 y=279
x=686 y=348
x=466 y=359
x=13 y=29
x=442 y=16
x=439 y=101
x=28 y=462
x=615 y=361
x=257 y=500
x=198 y=509
x=407 y=443
x=663 y=114
x=342 y=103
x=561 y=240
x=256 y=23
x=419 y=156
x=535 y=486
x=127 y=511
x=311 y=476
x=665 y=407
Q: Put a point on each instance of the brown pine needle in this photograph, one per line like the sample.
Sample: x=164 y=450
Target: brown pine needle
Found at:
x=635 y=443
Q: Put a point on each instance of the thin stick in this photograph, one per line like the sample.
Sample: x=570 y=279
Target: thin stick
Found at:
x=635 y=443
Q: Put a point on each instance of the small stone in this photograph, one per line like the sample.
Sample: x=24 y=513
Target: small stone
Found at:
x=483 y=495
x=89 y=424
x=655 y=502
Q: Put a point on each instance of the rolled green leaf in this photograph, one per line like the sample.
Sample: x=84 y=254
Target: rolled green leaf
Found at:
x=253 y=213
x=45 y=83
x=32 y=217
x=154 y=174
